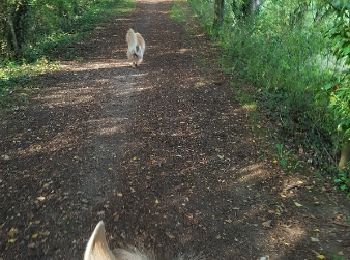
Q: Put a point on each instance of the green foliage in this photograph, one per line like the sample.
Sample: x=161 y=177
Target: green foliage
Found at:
x=282 y=156
x=296 y=53
x=343 y=181
x=177 y=12
x=287 y=61
x=285 y=158
x=339 y=89
x=14 y=77
x=47 y=24
x=204 y=11
x=336 y=257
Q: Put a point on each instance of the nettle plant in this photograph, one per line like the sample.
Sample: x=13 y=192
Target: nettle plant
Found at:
x=339 y=90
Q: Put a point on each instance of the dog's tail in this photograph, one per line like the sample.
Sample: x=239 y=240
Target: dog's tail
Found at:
x=131 y=40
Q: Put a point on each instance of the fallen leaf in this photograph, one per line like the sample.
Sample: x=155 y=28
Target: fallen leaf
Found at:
x=320 y=257
x=41 y=198
x=264 y=258
x=315 y=239
x=12 y=232
x=31 y=245
x=5 y=157
x=221 y=156
x=171 y=236
x=115 y=216
x=36 y=222
x=340 y=217
x=266 y=224
x=189 y=215
x=45 y=233
x=297 y=204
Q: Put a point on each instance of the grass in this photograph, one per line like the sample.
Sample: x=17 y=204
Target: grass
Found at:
x=15 y=78
x=178 y=12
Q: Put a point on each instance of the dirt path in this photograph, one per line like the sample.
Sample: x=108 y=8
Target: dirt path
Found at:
x=161 y=153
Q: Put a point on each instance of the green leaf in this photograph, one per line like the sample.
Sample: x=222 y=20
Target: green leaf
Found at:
x=337 y=181
x=344 y=187
x=328 y=86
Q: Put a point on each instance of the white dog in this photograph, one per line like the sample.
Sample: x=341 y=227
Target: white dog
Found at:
x=97 y=249
x=136 y=47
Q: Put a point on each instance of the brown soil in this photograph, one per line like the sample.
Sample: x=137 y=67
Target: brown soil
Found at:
x=162 y=153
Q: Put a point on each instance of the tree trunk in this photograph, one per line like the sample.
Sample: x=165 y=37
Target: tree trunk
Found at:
x=219 y=7
x=246 y=8
x=16 y=22
x=345 y=155
x=250 y=7
x=13 y=38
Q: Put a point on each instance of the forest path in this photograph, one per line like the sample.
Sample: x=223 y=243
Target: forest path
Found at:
x=162 y=153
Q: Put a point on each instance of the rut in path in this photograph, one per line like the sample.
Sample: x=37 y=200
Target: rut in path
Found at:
x=162 y=153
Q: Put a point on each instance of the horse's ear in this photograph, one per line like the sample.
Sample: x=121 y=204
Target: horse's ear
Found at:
x=97 y=247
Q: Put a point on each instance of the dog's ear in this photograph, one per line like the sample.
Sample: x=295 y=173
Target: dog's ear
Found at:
x=97 y=247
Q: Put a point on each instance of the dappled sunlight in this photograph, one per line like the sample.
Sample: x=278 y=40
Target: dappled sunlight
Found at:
x=239 y=110
x=272 y=232
x=76 y=66
x=108 y=126
x=284 y=237
x=140 y=75
x=249 y=107
x=253 y=173
x=112 y=130
x=64 y=101
x=68 y=96
x=290 y=185
x=182 y=134
x=184 y=50
x=87 y=89
x=129 y=91
x=60 y=141
x=199 y=83
x=122 y=19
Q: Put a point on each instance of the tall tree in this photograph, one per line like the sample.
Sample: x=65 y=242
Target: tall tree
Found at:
x=245 y=8
x=15 y=25
x=219 y=11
